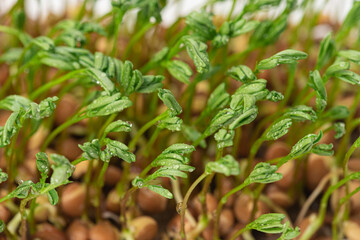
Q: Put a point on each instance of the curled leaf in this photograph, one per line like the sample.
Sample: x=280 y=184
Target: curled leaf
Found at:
x=197 y=52
x=169 y=100
x=278 y=129
x=264 y=173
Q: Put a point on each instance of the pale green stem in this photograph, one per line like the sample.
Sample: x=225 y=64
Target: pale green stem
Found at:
x=142 y=130
x=185 y=201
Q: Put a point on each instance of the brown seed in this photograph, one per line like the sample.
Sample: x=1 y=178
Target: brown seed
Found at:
x=46 y=231
x=173 y=228
x=243 y=208
x=276 y=150
x=317 y=167
x=288 y=172
x=226 y=185
x=80 y=169
x=42 y=209
x=66 y=107
x=234 y=230
x=355 y=199
x=4 y=213
x=112 y=175
x=226 y=221
x=78 y=230
x=73 y=199
x=69 y=148
x=151 y=202
x=208 y=233
x=103 y=231
x=352 y=230
x=144 y=228
x=4 y=115
x=211 y=204
x=354 y=164
x=37 y=139
x=279 y=197
x=113 y=201
x=305 y=223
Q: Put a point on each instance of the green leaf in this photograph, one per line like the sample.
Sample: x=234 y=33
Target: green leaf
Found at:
x=201 y=23
x=101 y=79
x=22 y=191
x=224 y=138
x=42 y=162
x=220 y=40
x=257 y=5
x=267 y=32
x=160 y=190
x=2 y=226
x=274 y=96
x=179 y=148
x=169 y=100
x=245 y=118
x=179 y=70
x=197 y=52
x=337 y=113
x=318 y=85
x=191 y=134
x=339 y=129
x=278 y=129
x=351 y=55
x=222 y=119
x=107 y=105
x=337 y=67
x=120 y=150
x=288 y=56
x=226 y=165
x=164 y=159
x=3 y=176
x=47 y=106
x=327 y=50
x=118 y=126
x=135 y=82
x=218 y=99
x=53 y=197
x=264 y=173
x=172 y=123
x=268 y=223
x=241 y=73
x=43 y=43
x=166 y=172
x=150 y=84
x=239 y=27
x=323 y=149
x=305 y=144
x=11 y=55
x=252 y=87
x=301 y=113
x=289 y=232
x=348 y=76
x=91 y=150
x=62 y=169
x=14 y=102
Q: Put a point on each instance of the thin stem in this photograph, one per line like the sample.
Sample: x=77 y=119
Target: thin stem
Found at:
x=323 y=206
x=133 y=142
x=123 y=203
x=55 y=82
x=61 y=128
x=100 y=184
x=136 y=38
x=185 y=201
x=221 y=203
x=238 y=233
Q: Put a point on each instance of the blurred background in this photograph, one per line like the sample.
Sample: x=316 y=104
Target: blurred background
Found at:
x=36 y=9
